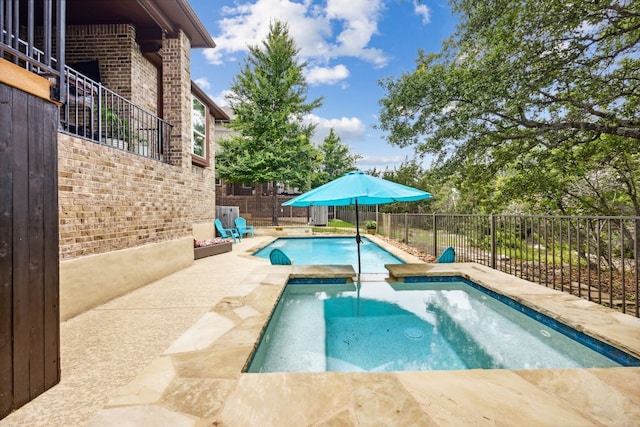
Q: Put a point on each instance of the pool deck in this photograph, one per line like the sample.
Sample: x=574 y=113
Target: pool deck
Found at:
x=172 y=354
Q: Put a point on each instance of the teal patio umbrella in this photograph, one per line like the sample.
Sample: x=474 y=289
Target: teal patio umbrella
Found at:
x=357 y=188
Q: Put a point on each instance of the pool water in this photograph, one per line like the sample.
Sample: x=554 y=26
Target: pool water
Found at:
x=332 y=251
x=380 y=326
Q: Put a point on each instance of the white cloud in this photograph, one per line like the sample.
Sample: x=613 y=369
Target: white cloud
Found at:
x=423 y=11
x=341 y=28
x=347 y=128
x=220 y=98
x=326 y=75
x=203 y=83
x=381 y=162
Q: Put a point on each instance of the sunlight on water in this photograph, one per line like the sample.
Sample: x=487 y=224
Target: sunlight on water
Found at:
x=398 y=327
x=332 y=251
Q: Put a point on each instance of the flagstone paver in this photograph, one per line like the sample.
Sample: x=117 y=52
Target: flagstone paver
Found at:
x=172 y=354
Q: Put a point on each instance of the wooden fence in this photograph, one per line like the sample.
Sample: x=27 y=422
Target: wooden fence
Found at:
x=29 y=263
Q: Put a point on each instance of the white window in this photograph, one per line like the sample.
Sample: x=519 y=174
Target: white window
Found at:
x=199 y=124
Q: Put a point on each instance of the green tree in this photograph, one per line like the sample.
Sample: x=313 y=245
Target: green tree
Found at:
x=528 y=86
x=336 y=161
x=268 y=99
x=410 y=173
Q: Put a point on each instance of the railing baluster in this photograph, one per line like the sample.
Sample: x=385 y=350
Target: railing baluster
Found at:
x=636 y=270
x=623 y=267
x=103 y=116
x=492 y=232
x=579 y=251
x=435 y=235
x=599 y=257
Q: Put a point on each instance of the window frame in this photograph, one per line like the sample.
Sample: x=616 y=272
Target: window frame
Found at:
x=197 y=159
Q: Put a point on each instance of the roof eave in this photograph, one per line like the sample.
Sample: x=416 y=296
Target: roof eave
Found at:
x=173 y=14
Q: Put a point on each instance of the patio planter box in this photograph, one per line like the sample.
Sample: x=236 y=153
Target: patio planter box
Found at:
x=216 y=249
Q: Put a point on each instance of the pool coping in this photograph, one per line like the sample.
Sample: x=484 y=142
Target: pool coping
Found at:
x=198 y=383
x=604 y=324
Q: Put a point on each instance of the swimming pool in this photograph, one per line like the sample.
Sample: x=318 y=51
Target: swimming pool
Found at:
x=332 y=251
x=440 y=324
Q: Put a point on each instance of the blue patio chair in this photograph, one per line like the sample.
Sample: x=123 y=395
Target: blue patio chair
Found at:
x=448 y=255
x=242 y=227
x=227 y=233
x=278 y=257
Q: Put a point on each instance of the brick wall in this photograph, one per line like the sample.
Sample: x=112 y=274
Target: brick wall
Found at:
x=176 y=83
x=110 y=199
x=123 y=68
x=203 y=190
x=144 y=82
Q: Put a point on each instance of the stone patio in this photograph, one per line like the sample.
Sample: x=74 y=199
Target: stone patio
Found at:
x=172 y=354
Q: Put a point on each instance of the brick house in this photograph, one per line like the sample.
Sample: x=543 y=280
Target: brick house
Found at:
x=106 y=156
x=134 y=207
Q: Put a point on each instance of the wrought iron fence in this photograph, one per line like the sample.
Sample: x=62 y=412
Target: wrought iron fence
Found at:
x=94 y=112
x=592 y=257
x=595 y=258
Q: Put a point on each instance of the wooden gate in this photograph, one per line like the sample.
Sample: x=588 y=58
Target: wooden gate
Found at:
x=29 y=263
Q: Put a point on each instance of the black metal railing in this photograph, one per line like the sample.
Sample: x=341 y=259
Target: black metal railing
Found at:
x=592 y=257
x=88 y=109
x=94 y=112
x=595 y=258
x=18 y=38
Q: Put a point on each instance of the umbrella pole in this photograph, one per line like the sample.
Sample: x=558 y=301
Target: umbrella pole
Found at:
x=358 y=237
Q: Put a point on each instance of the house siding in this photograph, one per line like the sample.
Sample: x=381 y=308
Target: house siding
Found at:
x=83 y=223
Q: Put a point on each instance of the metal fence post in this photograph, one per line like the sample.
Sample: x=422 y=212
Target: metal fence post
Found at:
x=636 y=269
x=435 y=235
x=406 y=228
x=494 y=256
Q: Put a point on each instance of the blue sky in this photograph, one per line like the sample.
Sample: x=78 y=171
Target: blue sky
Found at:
x=348 y=45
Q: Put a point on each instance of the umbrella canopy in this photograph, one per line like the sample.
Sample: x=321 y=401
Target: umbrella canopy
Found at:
x=357 y=188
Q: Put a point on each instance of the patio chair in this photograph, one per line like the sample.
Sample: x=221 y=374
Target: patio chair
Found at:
x=278 y=257
x=242 y=227
x=227 y=233
x=448 y=255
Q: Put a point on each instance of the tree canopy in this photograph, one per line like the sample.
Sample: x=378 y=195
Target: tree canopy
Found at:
x=268 y=99
x=536 y=100
x=336 y=159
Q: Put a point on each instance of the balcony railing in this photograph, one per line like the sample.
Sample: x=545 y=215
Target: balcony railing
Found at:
x=96 y=113
x=17 y=38
x=89 y=109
